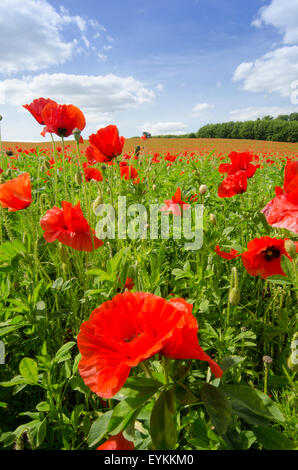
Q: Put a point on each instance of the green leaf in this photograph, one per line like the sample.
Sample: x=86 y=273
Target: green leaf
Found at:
x=162 y=423
x=251 y=404
x=99 y=429
x=272 y=439
x=218 y=407
x=185 y=396
x=230 y=361
x=41 y=431
x=78 y=385
x=62 y=353
x=288 y=267
x=137 y=387
x=29 y=370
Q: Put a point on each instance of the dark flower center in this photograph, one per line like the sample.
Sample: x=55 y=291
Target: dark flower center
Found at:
x=271 y=253
x=62 y=131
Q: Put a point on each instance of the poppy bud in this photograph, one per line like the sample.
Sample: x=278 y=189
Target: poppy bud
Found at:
x=154 y=187
x=290 y=248
x=203 y=189
x=293 y=359
x=98 y=201
x=0 y=117
x=64 y=268
x=62 y=253
x=234 y=294
x=77 y=134
x=9 y=153
x=212 y=219
x=47 y=164
x=78 y=177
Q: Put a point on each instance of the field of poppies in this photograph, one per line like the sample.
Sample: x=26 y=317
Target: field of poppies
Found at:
x=111 y=341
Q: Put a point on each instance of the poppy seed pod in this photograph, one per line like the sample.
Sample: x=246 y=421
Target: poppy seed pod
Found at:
x=212 y=219
x=203 y=189
x=290 y=248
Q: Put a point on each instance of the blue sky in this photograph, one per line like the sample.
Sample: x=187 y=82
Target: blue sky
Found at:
x=163 y=66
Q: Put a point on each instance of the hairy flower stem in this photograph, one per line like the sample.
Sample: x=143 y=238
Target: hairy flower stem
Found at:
x=63 y=163
x=55 y=168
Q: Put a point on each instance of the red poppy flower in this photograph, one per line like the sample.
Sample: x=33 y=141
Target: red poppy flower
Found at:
x=282 y=211
x=92 y=174
x=224 y=254
x=106 y=143
x=239 y=162
x=183 y=344
x=36 y=108
x=117 y=442
x=233 y=184
x=16 y=193
x=129 y=329
x=128 y=172
x=1 y=171
x=263 y=257
x=129 y=284
x=62 y=119
x=69 y=226
x=175 y=204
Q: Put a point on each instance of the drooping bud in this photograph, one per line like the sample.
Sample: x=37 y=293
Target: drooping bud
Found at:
x=77 y=134
x=290 y=248
x=203 y=189
x=98 y=201
x=212 y=219
x=234 y=293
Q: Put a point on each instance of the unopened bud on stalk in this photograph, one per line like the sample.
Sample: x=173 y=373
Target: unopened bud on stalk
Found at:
x=47 y=164
x=203 y=189
x=234 y=294
x=212 y=219
x=290 y=248
x=62 y=253
x=293 y=359
x=64 y=268
x=78 y=177
x=77 y=134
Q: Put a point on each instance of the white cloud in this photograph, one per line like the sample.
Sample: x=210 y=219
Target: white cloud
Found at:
x=97 y=96
x=199 y=108
x=31 y=35
x=255 y=112
x=273 y=72
x=283 y=15
x=159 y=128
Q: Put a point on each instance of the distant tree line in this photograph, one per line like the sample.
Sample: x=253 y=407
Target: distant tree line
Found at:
x=283 y=128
